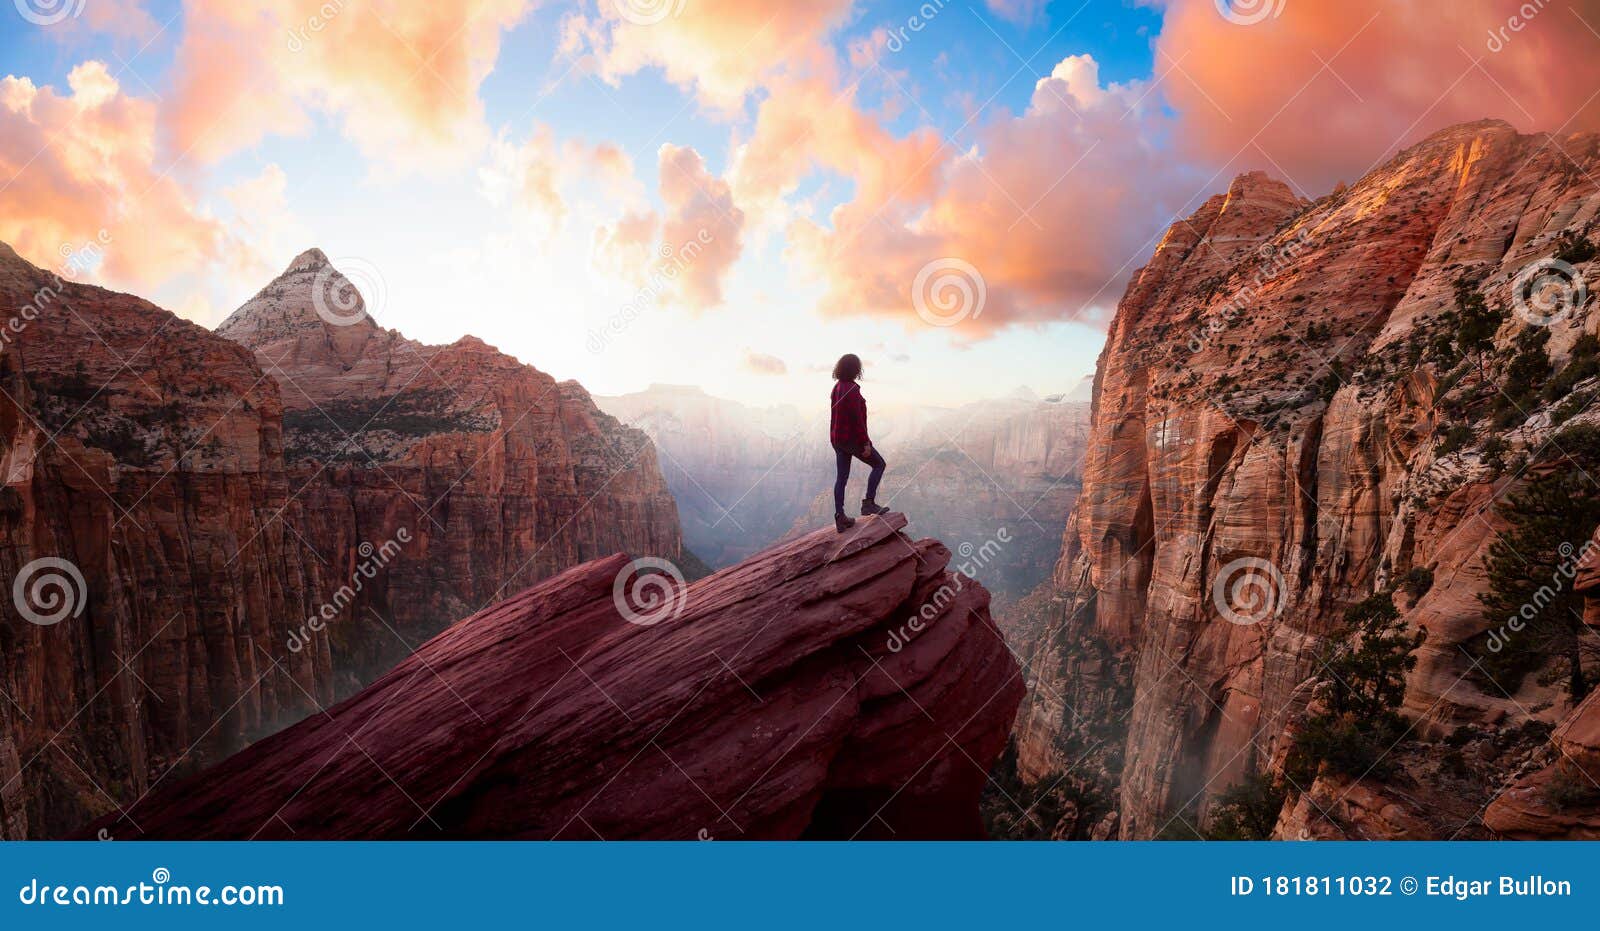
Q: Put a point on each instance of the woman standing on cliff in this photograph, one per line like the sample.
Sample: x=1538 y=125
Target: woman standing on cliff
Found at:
x=847 y=430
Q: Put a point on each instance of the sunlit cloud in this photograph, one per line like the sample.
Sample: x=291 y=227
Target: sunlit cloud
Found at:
x=85 y=162
x=1053 y=209
x=402 y=78
x=1323 y=91
x=687 y=251
x=722 y=50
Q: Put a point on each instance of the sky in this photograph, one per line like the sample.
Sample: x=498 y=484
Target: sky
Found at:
x=729 y=193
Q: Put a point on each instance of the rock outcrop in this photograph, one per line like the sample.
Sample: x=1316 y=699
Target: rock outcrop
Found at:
x=1561 y=800
x=997 y=478
x=1269 y=408
x=788 y=696
x=475 y=473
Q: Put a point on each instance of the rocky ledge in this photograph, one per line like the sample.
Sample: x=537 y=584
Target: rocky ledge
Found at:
x=829 y=687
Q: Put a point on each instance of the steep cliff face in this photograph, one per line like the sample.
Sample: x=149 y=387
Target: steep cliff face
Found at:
x=439 y=478
x=788 y=696
x=1267 y=422
x=145 y=453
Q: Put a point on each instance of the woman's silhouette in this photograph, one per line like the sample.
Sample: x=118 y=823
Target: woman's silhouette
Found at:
x=847 y=430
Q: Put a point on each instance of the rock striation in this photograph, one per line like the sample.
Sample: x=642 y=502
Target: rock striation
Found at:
x=787 y=696
x=1265 y=405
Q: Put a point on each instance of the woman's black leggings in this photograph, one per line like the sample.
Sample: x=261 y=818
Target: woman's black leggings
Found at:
x=844 y=454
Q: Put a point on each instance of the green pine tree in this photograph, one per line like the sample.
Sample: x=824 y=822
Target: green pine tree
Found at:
x=1533 y=612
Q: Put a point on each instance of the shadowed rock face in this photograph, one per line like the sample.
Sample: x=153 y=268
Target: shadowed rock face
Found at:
x=1221 y=433
x=495 y=474
x=787 y=696
x=147 y=453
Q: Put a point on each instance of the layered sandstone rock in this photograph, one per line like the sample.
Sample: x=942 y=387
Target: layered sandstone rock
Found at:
x=146 y=453
x=465 y=474
x=784 y=697
x=1261 y=413
x=1561 y=800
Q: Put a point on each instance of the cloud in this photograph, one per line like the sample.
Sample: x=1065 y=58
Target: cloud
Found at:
x=759 y=363
x=1021 y=12
x=721 y=49
x=1053 y=208
x=690 y=248
x=87 y=161
x=809 y=123
x=402 y=77
x=544 y=176
x=1323 y=91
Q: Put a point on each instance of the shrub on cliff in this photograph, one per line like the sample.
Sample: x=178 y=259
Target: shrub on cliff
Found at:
x=1534 y=616
x=1248 y=810
x=1574 y=248
x=1363 y=684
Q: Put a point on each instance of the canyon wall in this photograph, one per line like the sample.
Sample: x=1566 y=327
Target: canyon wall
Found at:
x=146 y=454
x=210 y=540
x=1267 y=420
x=476 y=474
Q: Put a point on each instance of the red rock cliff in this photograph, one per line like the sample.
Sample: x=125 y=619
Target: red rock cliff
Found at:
x=788 y=696
x=1260 y=398
x=498 y=474
x=147 y=453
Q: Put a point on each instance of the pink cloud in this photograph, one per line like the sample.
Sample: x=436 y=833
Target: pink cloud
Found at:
x=691 y=247
x=86 y=162
x=1322 y=91
x=402 y=77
